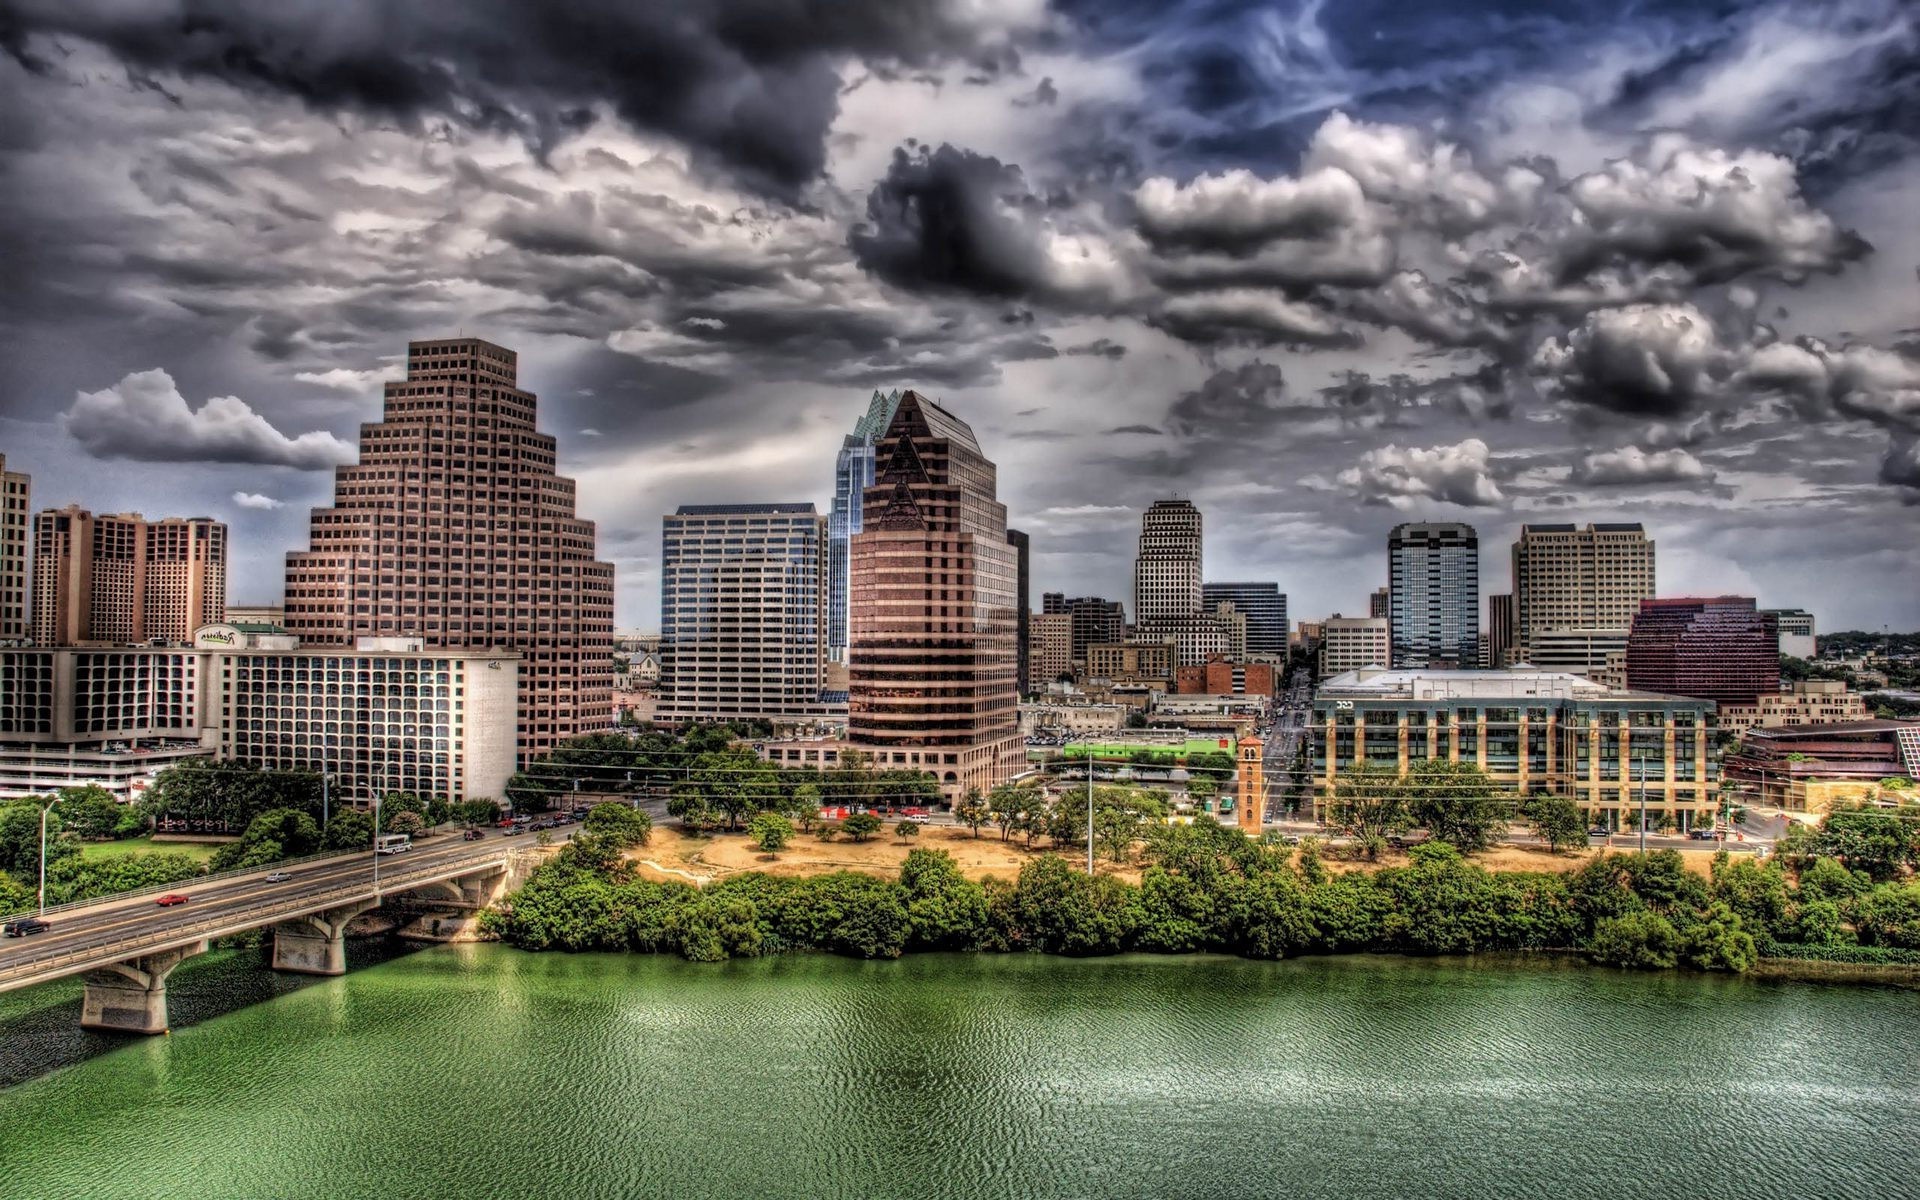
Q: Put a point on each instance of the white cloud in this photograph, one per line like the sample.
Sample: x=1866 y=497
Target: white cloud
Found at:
x=341 y=379
x=256 y=500
x=1631 y=465
x=145 y=417
x=1458 y=474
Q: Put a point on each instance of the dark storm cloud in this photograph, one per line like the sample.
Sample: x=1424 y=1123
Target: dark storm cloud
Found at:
x=749 y=84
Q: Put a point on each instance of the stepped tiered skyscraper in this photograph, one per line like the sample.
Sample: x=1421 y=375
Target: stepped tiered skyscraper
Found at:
x=454 y=528
x=852 y=475
x=932 y=670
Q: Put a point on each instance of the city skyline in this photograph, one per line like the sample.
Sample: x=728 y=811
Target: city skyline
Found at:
x=1323 y=272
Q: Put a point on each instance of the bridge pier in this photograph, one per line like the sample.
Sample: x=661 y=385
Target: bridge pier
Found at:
x=131 y=997
x=316 y=944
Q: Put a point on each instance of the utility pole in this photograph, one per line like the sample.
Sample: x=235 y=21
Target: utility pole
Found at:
x=1640 y=763
x=1089 y=812
x=44 y=810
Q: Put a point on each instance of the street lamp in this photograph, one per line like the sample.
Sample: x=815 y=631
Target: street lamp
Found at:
x=1640 y=772
x=44 y=810
x=1089 y=811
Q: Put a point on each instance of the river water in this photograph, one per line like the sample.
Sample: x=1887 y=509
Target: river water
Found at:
x=478 y=1071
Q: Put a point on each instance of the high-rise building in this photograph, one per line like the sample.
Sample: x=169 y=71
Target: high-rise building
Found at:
x=852 y=475
x=1499 y=636
x=1576 y=590
x=1433 y=594
x=119 y=578
x=16 y=495
x=743 y=600
x=1796 y=631
x=1380 y=603
x=1096 y=621
x=1350 y=643
x=1023 y=581
x=1166 y=574
x=1265 y=607
x=1720 y=648
x=453 y=528
x=1050 y=652
x=931 y=670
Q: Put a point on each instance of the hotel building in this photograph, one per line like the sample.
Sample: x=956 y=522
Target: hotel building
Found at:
x=453 y=529
x=121 y=579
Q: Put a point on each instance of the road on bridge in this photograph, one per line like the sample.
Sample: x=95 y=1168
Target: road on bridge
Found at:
x=135 y=923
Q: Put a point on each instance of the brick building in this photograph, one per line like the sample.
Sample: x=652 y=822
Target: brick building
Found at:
x=119 y=578
x=1720 y=648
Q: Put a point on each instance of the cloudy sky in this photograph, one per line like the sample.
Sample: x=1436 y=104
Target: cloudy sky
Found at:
x=1322 y=267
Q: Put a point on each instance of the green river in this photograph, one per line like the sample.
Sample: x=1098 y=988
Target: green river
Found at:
x=479 y=1071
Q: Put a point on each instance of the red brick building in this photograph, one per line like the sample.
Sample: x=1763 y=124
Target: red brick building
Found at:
x=1218 y=677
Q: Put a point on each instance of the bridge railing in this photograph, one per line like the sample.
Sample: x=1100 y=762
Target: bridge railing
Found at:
x=128 y=946
x=196 y=880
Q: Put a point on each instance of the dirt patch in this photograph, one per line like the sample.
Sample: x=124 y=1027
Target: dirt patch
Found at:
x=1526 y=858
x=674 y=855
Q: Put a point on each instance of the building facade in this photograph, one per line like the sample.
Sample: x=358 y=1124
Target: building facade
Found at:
x=1167 y=570
x=1433 y=594
x=1380 y=603
x=1023 y=606
x=852 y=475
x=121 y=579
x=1095 y=620
x=1265 y=607
x=1720 y=648
x=1796 y=632
x=1349 y=643
x=1132 y=662
x=1809 y=768
x=1499 y=631
x=16 y=507
x=932 y=677
x=743 y=614
x=1224 y=678
x=1049 y=650
x=109 y=717
x=1530 y=731
x=1576 y=591
x=1803 y=702
x=454 y=528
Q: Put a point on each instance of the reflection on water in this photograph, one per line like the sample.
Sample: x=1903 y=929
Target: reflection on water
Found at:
x=479 y=1071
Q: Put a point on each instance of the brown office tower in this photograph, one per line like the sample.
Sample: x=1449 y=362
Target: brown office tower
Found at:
x=932 y=664
x=16 y=491
x=1720 y=648
x=453 y=528
x=119 y=578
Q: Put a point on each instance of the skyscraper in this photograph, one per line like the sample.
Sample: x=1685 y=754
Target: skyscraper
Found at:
x=1379 y=603
x=16 y=495
x=454 y=528
x=743 y=598
x=1575 y=592
x=1719 y=648
x=931 y=671
x=1167 y=584
x=1433 y=594
x=852 y=475
x=1499 y=630
x=1265 y=607
x=119 y=578
x=1023 y=606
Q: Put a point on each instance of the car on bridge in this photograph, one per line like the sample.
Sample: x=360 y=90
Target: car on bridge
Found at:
x=171 y=899
x=26 y=927
x=279 y=876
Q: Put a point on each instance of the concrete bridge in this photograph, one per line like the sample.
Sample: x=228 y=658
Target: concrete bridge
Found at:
x=126 y=946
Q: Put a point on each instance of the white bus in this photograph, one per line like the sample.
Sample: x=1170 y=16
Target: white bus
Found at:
x=393 y=843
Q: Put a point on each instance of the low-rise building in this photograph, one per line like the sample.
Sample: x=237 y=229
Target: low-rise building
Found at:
x=111 y=716
x=1132 y=662
x=1804 y=702
x=1796 y=631
x=1072 y=719
x=1809 y=768
x=1222 y=677
x=1350 y=643
x=1530 y=731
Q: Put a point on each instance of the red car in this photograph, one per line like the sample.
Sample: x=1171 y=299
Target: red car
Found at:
x=171 y=899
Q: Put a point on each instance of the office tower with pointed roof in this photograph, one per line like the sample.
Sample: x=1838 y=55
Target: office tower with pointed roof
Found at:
x=454 y=528
x=852 y=475
x=932 y=663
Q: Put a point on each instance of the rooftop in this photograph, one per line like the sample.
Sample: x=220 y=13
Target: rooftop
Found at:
x=1375 y=683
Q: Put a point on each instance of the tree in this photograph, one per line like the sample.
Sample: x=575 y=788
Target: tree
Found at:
x=1202 y=790
x=1455 y=802
x=90 y=812
x=861 y=826
x=20 y=838
x=973 y=811
x=806 y=805
x=1643 y=940
x=408 y=822
x=1557 y=821
x=770 y=831
x=1371 y=801
x=734 y=783
x=1010 y=805
x=906 y=831
x=348 y=830
x=826 y=831
x=945 y=909
x=623 y=823
x=273 y=835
